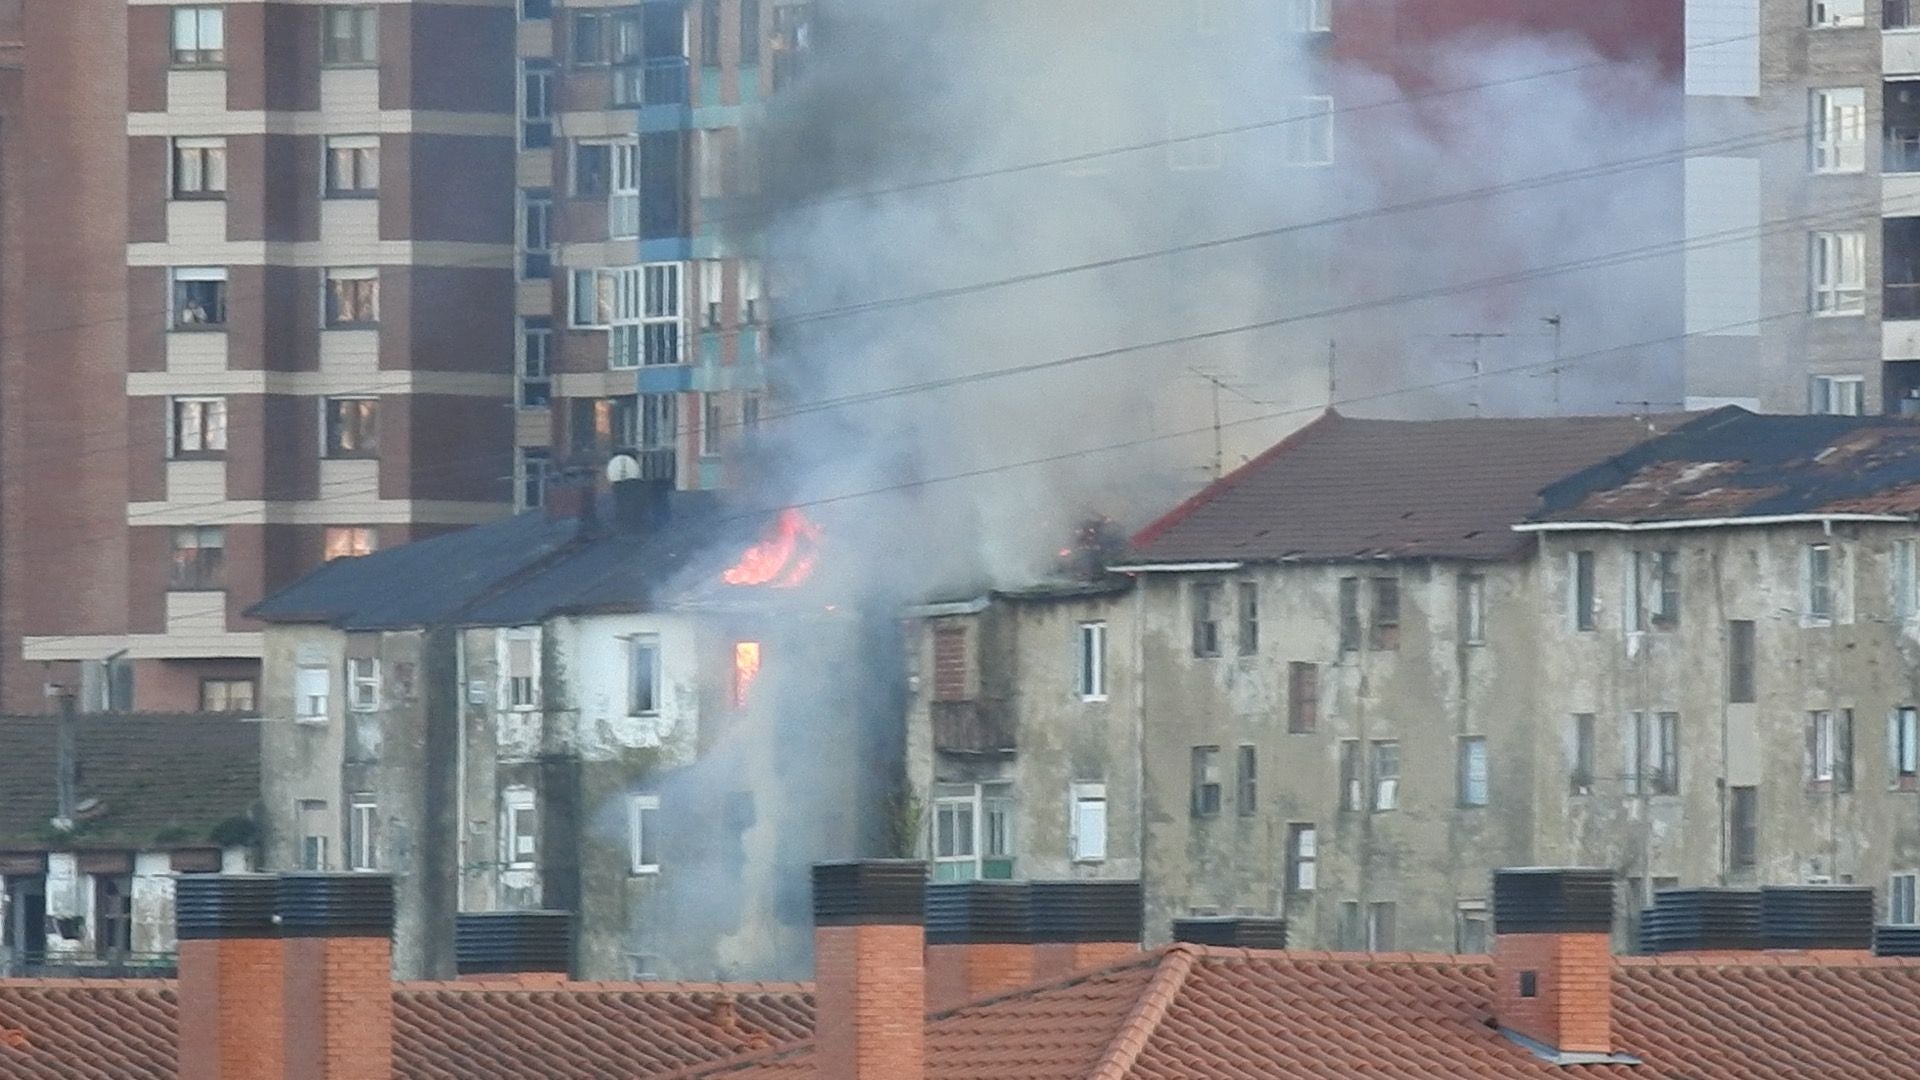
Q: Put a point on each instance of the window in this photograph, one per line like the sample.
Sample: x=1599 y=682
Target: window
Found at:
x=643 y=834
x=1472 y=928
x=1351 y=934
x=536 y=109
x=643 y=675
x=530 y=477
x=113 y=915
x=226 y=695
x=1380 y=919
x=352 y=427
x=353 y=166
x=1903 y=746
x=1839 y=129
x=973 y=832
x=199 y=298
x=536 y=234
x=749 y=32
x=1586 y=611
x=1206 y=618
x=750 y=412
x=1249 y=618
x=1900 y=14
x=1906 y=581
x=353 y=34
x=1090 y=674
x=1303 y=697
x=605 y=37
x=1743 y=843
x=199 y=36
x=363 y=833
x=522 y=831
x=1308 y=132
x=1839 y=273
x=351 y=541
x=1820 y=583
x=199 y=427
x=1385 y=632
x=199 y=552
x=199 y=168
x=1353 y=785
x=1830 y=748
x=641 y=305
x=1830 y=13
x=712 y=292
x=353 y=298
x=1246 y=787
x=1901 y=889
x=1303 y=857
x=523 y=687
x=1206 y=781
x=536 y=375
x=363 y=683
x=623 y=191
x=1473 y=609
x=753 y=292
x=1580 y=780
x=712 y=424
x=1836 y=395
x=710 y=33
x=592 y=168
x=312 y=686
x=1656 y=590
x=1349 y=614
x=1088 y=836
x=1309 y=16
x=1473 y=770
x=536 y=9
x=1386 y=775
x=312 y=814
x=1656 y=759
x=1740 y=665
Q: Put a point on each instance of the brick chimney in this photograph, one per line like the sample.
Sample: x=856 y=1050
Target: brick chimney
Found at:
x=869 y=969
x=232 y=966
x=338 y=930
x=1553 y=961
x=1079 y=925
x=979 y=940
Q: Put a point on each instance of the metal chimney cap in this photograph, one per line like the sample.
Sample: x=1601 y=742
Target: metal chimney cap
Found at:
x=1553 y=900
x=884 y=892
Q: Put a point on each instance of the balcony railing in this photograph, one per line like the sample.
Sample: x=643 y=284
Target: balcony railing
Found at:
x=653 y=82
x=1902 y=300
x=972 y=727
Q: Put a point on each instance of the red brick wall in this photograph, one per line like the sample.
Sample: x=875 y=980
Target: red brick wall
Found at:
x=870 y=997
x=957 y=974
x=1572 y=1008
x=231 y=1014
x=339 y=1003
x=1054 y=959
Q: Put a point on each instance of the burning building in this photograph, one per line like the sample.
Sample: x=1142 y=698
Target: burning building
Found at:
x=613 y=707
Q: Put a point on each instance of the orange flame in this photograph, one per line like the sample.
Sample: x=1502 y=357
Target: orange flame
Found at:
x=784 y=559
x=746 y=668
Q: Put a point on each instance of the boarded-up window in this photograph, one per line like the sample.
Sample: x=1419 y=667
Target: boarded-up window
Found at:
x=1386 y=614
x=1740 y=689
x=1743 y=843
x=1303 y=696
x=950 y=663
x=1349 y=614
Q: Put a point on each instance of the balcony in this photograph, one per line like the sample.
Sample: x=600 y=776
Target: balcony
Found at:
x=972 y=727
x=661 y=81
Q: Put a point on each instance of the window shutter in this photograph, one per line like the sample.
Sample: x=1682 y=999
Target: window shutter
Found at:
x=1813 y=747
x=1091 y=828
x=520 y=658
x=1893 y=746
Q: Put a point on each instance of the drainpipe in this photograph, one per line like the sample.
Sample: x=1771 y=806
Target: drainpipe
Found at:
x=66 y=764
x=460 y=767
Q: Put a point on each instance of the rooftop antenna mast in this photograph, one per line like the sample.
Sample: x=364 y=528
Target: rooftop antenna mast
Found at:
x=1479 y=338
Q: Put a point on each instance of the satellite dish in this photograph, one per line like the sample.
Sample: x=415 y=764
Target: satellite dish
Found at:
x=623 y=467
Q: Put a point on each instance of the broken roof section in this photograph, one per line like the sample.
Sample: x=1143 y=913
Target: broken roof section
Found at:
x=1732 y=465
x=1344 y=488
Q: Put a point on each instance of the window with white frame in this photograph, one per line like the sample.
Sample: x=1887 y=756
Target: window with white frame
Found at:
x=353 y=298
x=199 y=36
x=1906 y=580
x=200 y=168
x=1386 y=775
x=1473 y=928
x=1090 y=670
x=1819 y=574
x=659 y=421
x=1307 y=133
x=521 y=835
x=1473 y=770
x=972 y=827
x=643 y=675
x=1903 y=745
x=1830 y=748
x=592 y=172
x=1381 y=917
x=1309 y=16
x=1836 y=395
x=312 y=687
x=199 y=297
x=536 y=233
x=350 y=541
x=1303 y=857
x=314 y=830
x=623 y=191
x=643 y=834
x=363 y=683
x=352 y=34
x=199 y=426
x=536 y=373
x=1839 y=270
x=530 y=476
x=1087 y=834
x=1901 y=889
x=363 y=833
x=199 y=557
x=713 y=276
x=1838 y=126
x=522 y=690
x=353 y=166
x=753 y=292
x=642 y=305
x=1655 y=759
x=536 y=108
x=1472 y=597
x=1823 y=14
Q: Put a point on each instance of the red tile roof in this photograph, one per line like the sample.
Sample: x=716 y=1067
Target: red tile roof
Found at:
x=1342 y=488
x=125 y=1030
x=1230 y=1014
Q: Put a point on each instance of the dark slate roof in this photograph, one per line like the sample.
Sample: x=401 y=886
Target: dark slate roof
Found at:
x=1345 y=488
x=162 y=781
x=523 y=569
x=1735 y=464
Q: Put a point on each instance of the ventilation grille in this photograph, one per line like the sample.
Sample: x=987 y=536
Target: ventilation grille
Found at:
x=1816 y=916
x=210 y=906
x=506 y=942
x=1553 y=901
x=1240 y=931
x=336 y=905
x=883 y=891
x=1696 y=920
x=1086 y=911
x=978 y=913
x=1896 y=941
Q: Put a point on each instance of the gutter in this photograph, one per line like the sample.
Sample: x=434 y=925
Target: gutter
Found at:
x=1175 y=568
x=955 y=607
x=1703 y=523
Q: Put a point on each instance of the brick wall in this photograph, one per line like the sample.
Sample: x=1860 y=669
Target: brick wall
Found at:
x=1571 y=1008
x=339 y=1006
x=869 y=997
x=957 y=974
x=231 y=1014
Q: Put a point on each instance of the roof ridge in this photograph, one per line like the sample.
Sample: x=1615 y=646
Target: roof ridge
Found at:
x=1207 y=494
x=1149 y=1009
